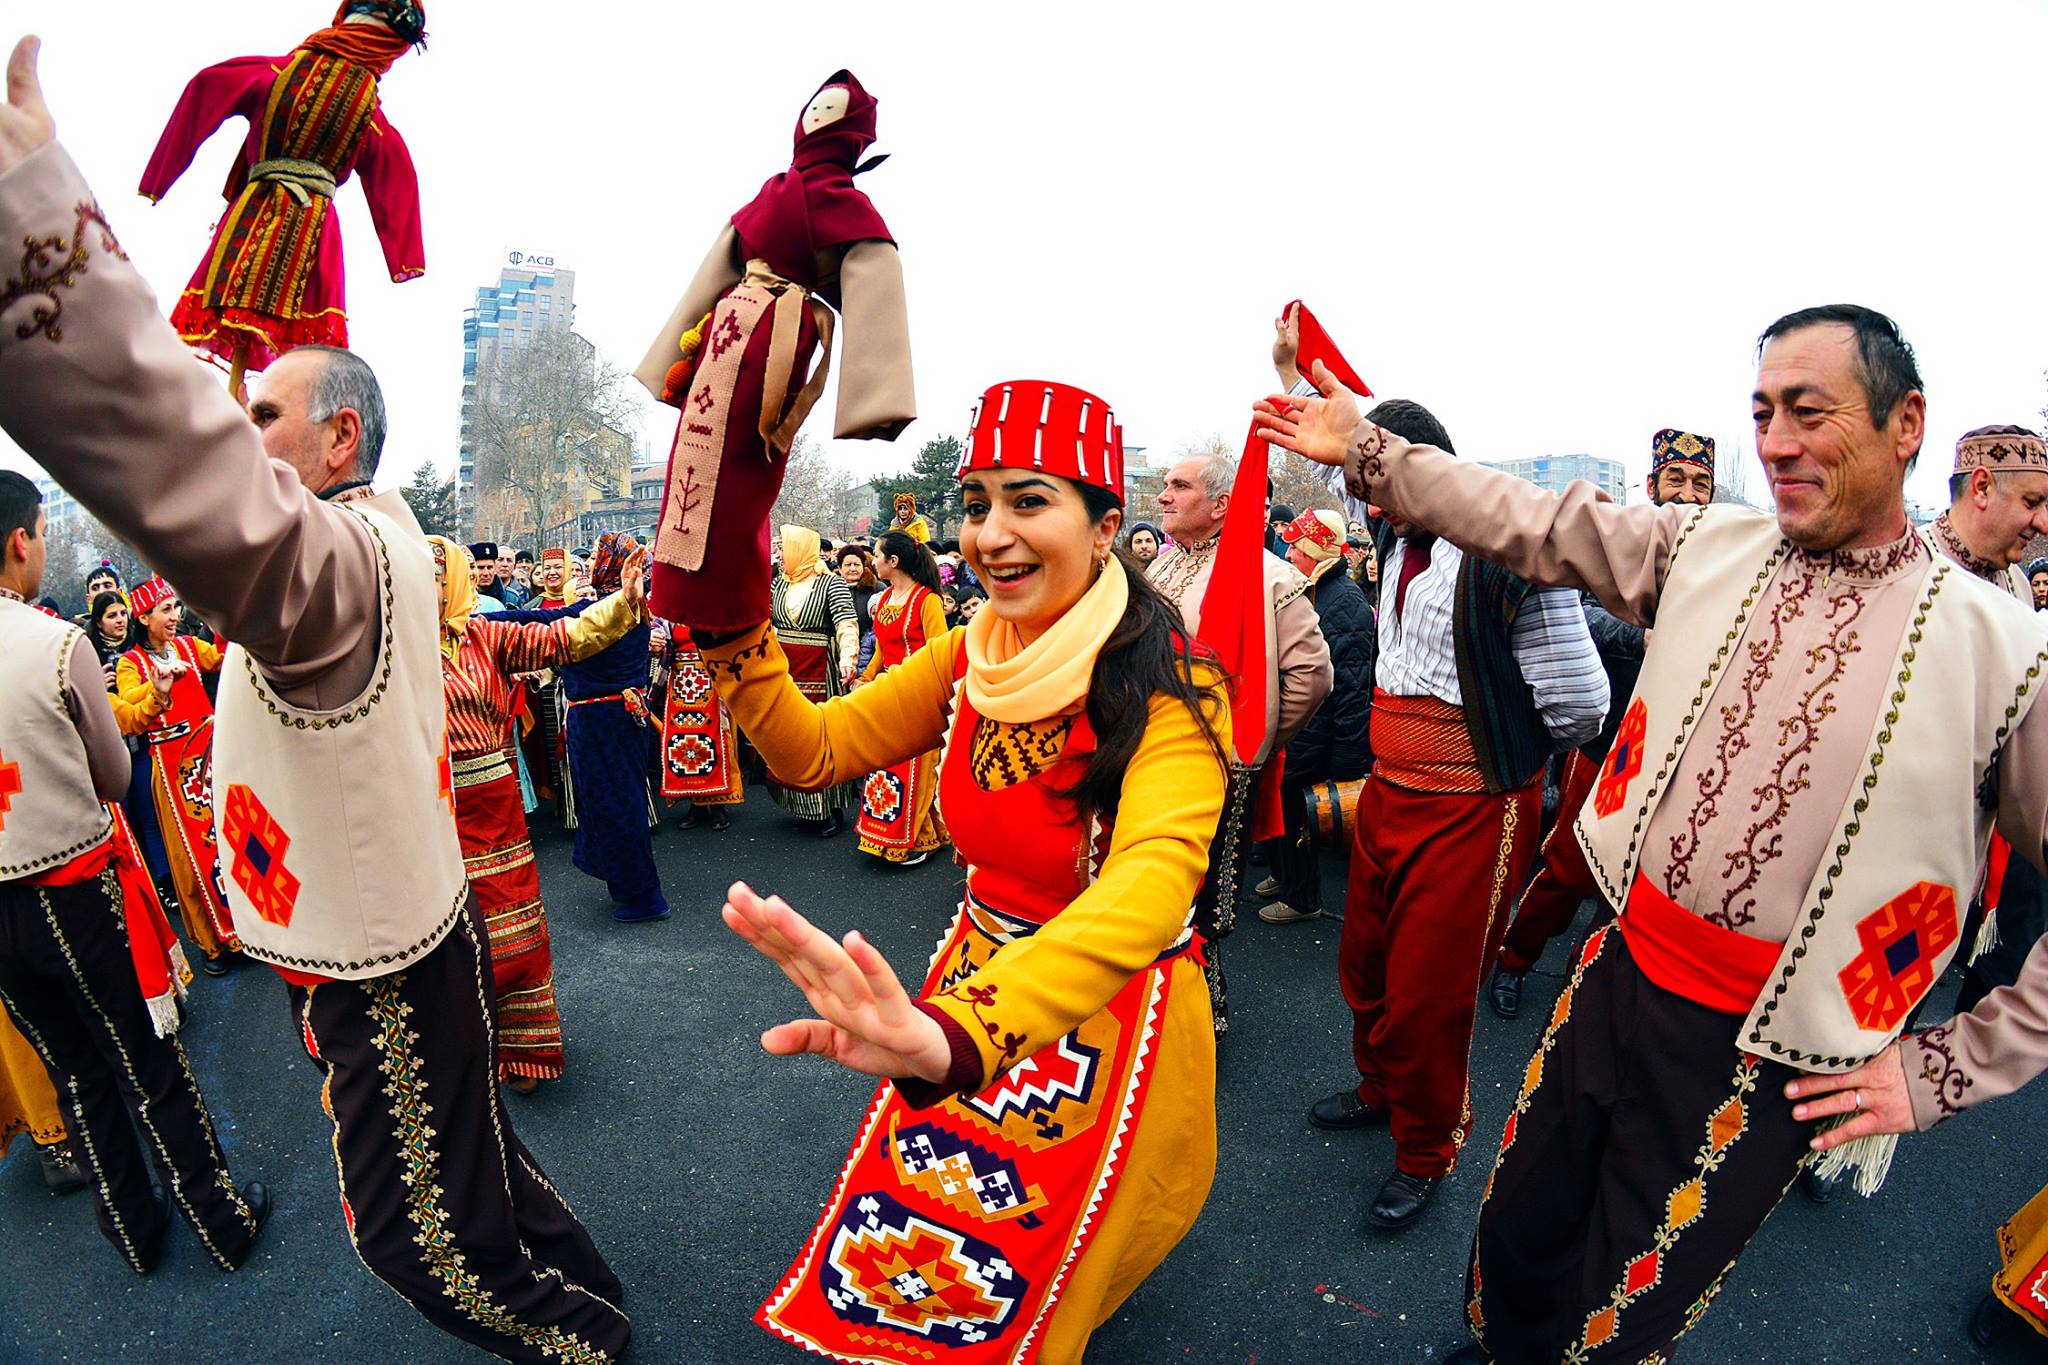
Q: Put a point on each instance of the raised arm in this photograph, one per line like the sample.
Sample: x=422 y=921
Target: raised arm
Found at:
x=1577 y=539
x=529 y=646
x=99 y=391
x=232 y=88
x=811 y=747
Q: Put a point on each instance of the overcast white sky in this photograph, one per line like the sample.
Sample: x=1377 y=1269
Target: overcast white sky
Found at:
x=1559 y=226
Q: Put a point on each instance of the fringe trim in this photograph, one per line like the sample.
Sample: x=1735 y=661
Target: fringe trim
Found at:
x=163 y=1012
x=1987 y=938
x=1869 y=1158
x=181 y=969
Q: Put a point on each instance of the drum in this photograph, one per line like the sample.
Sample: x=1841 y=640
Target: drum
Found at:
x=1332 y=807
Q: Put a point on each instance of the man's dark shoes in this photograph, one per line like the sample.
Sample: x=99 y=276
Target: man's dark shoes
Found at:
x=1401 y=1201
x=1817 y=1187
x=256 y=1195
x=832 y=826
x=1343 y=1110
x=216 y=966
x=1991 y=1321
x=1505 y=993
x=60 y=1172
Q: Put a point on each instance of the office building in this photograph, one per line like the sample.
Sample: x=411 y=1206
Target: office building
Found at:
x=1553 y=472
x=532 y=295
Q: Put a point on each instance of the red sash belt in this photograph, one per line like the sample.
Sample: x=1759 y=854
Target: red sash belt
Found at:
x=1423 y=744
x=1706 y=964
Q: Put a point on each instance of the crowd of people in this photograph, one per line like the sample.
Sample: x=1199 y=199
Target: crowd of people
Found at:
x=322 y=739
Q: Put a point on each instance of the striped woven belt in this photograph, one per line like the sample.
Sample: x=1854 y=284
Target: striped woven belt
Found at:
x=1422 y=744
x=168 y=733
x=478 y=769
x=592 y=701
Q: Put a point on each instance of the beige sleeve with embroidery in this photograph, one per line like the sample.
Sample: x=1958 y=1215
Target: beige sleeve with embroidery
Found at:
x=1577 y=539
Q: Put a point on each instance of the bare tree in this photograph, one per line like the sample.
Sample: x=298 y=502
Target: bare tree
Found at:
x=555 y=418
x=812 y=489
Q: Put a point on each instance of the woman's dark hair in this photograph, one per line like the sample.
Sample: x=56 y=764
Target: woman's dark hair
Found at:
x=1148 y=652
x=100 y=602
x=917 y=561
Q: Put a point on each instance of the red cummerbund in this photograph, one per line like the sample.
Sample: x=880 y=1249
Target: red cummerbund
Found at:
x=1708 y=965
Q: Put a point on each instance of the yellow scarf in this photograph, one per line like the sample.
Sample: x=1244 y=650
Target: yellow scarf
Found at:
x=458 y=592
x=799 y=555
x=1015 y=683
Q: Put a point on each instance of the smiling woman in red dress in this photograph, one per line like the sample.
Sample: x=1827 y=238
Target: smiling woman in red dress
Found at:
x=1050 y=1132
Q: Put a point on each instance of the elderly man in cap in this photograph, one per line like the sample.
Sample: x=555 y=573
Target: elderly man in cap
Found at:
x=1334 y=745
x=483 y=572
x=1681 y=472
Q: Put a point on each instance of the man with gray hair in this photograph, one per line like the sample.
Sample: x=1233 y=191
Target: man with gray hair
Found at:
x=335 y=799
x=1193 y=502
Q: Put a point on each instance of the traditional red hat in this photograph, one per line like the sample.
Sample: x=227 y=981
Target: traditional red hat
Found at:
x=1057 y=428
x=144 y=597
x=1324 y=532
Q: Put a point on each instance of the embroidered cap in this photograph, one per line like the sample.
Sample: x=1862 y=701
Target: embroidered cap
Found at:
x=1672 y=446
x=554 y=554
x=2001 y=449
x=1318 y=534
x=1042 y=425
x=145 y=596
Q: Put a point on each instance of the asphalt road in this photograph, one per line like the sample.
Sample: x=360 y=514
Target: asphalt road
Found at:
x=699 y=1164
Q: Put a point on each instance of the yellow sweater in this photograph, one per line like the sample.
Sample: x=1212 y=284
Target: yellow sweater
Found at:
x=1060 y=976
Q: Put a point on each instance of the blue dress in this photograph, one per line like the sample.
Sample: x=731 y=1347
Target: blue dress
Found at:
x=611 y=761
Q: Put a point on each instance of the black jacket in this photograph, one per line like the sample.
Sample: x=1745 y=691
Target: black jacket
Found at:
x=1335 y=744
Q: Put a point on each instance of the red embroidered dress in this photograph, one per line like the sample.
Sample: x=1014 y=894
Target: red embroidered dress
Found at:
x=899 y=815
x=273 y=277
x=490 y=819
x=179 y=734
x=1007 y=1224
x=699 y=758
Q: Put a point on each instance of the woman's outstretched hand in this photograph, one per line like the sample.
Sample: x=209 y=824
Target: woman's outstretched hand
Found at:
x=866 y=1022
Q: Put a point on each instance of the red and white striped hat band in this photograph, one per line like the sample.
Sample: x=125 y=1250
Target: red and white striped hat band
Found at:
x=1057 y=428
x=145 y=596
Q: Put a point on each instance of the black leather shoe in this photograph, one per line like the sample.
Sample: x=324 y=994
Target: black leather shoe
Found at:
x=1471 y=1353
x=1817 y=1187
x=1505 y=993
x=1401 y=1201
x=60 y=1172
x=1343 y=1110
x=830 y=829
x=216 y=966
x=256 y=1195
x=150 y=1249
x=1991 y=1321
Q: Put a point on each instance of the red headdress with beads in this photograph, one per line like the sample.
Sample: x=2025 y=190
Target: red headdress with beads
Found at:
x=145 y=596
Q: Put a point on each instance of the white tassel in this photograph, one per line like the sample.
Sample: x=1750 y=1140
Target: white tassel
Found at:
x=181 y=970
x=1987 y=937
x=1869 y=1157
x=163 y=1013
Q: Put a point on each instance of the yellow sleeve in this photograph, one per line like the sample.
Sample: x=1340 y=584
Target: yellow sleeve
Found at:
x=530 y=646
x=209 y=655
x=811 y=747
x=932 y=616
x=874 y=668
x=919 y=529
x=1036 y=989
x=599 y=625
x=134 y=697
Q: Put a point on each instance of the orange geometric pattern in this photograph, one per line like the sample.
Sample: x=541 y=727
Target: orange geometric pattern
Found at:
x=10 y=787
x=1903 y=941
x=1624 y=761
x=256 y=848
x=1683 y=1207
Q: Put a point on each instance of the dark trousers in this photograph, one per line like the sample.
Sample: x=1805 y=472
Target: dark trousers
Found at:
x=1563 y=881
x=1644 y=1151
x=442 y=1201
x=1431 y=877
x=67 y=977
x=1297 y=867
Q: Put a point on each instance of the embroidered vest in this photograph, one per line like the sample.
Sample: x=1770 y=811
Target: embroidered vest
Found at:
x=337 y=828
x=1909 y=838
x=49 y=813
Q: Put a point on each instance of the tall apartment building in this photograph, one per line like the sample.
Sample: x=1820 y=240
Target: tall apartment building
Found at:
x=59 y=508
x=532 y=295
x=1552 y=472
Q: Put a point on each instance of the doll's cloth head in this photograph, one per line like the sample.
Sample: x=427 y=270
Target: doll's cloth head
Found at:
x=814 y=205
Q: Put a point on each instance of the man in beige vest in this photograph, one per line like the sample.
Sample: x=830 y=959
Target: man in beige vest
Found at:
x=1789 y=824
x=1193 y=500
x=333 y=795
x=67 y=975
